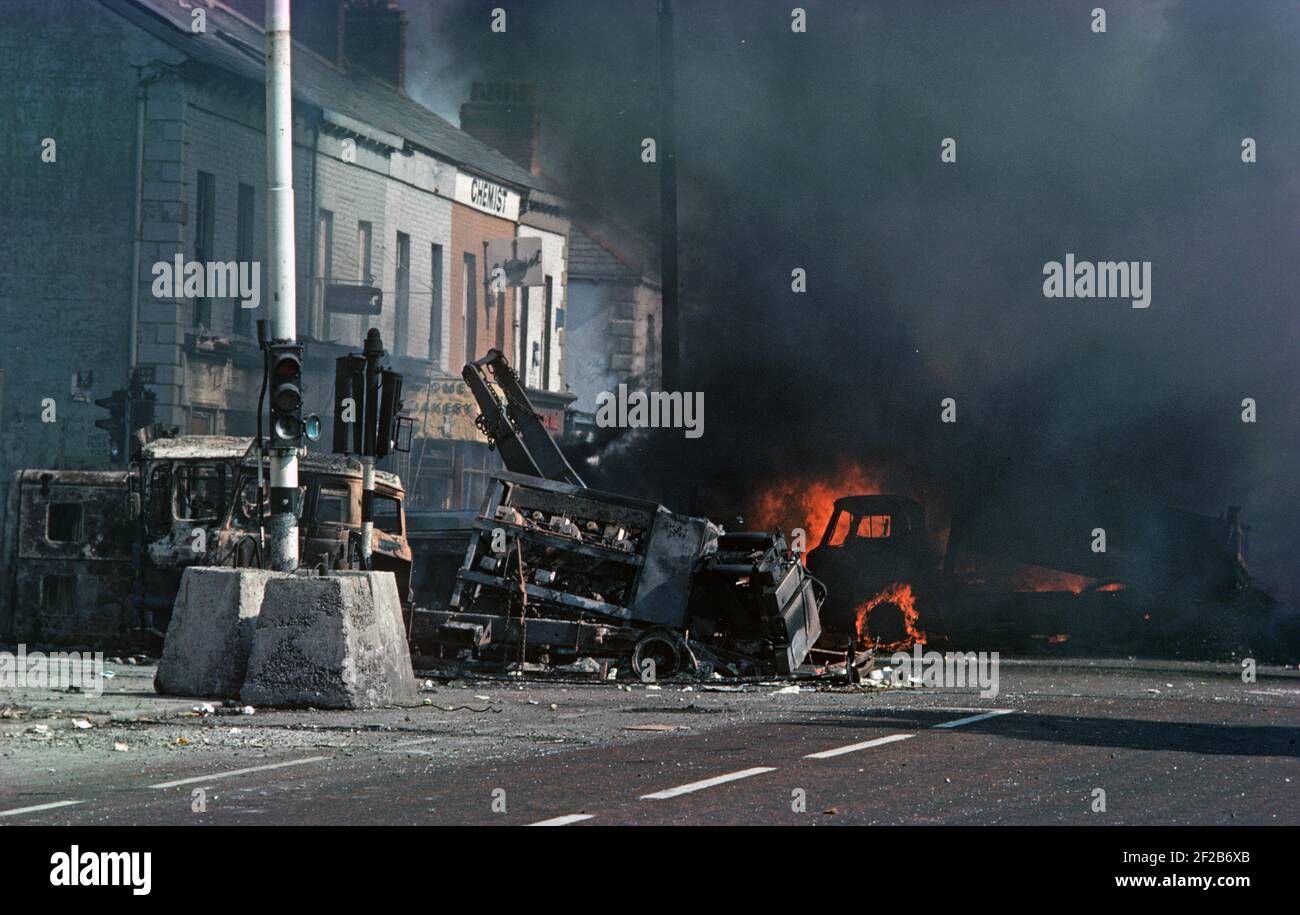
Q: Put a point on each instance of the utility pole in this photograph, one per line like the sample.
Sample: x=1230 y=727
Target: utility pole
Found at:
x=279 y=170
x=670 y=367
x=373 y=351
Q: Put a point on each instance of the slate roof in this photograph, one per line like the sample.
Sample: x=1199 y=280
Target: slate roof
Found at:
x=237 y=45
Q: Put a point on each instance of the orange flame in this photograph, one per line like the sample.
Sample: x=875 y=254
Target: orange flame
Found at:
x=807 y=503
x=1040 y=578
x=901 y=596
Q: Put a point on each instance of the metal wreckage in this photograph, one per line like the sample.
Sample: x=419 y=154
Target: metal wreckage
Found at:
x=555 y=571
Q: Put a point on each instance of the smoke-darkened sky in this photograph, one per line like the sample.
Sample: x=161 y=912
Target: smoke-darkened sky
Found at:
x=822 y=151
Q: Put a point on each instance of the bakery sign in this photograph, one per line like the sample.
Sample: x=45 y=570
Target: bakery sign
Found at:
x=444 y=409
x=488 y=196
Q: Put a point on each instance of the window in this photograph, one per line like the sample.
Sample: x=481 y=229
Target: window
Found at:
x=355 y=326
x=203 y=420
x=524 y=362
x=63 y=522
x=841 y=530
x=469 y=307
x=435 y=306
x=244 y=234
x=59 y=593
x=402 y=307
x=364 y=233
x=246 y=508
x=324 y=272
x=873 y=527
x=160 y=496
x=205 y=211
x=200 y=492
x=334 y=505
x=545 y=383
x=388 y=514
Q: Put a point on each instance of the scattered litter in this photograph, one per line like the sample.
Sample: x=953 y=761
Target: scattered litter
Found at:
x=650 y=727
x=182 y=741
x=108 y=675
x=247 y=710
x=205 y=709
x=483 y=698
x=120 y=746
x=785 y=690
x=654 y=686
x=81 y=724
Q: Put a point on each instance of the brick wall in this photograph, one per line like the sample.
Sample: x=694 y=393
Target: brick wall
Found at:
x=469 y=230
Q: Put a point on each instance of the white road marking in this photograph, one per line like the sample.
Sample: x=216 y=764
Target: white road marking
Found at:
x=854 y=747
x=408 y=743
x=564 y=820
x=18 y=810
x=990 y=714
x=233 y=772
x=707 y=783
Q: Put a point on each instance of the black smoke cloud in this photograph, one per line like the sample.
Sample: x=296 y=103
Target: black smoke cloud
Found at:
x=821 y=151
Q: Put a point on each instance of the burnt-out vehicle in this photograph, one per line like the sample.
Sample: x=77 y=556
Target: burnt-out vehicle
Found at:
x=96 y=557
x=880 y=571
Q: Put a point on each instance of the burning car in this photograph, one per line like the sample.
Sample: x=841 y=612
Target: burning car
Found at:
x=880 y=570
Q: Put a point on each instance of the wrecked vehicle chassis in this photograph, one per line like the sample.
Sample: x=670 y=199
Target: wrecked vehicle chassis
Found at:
x=556 y=572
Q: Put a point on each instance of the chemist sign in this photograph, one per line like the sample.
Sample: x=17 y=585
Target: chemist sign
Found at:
x=487 y=196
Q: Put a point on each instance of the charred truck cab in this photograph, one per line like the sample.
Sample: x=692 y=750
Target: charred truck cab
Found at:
x=96 y=558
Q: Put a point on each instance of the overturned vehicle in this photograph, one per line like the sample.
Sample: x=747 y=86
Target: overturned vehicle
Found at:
x=555 y=572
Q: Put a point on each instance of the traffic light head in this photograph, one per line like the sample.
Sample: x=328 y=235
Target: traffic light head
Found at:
x=286 y=395
x=114 y=424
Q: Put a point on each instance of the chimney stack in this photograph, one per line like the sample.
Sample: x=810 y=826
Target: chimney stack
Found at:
x=374 y=40
x=504 y=117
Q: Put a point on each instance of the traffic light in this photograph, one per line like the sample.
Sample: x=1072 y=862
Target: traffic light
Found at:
x=390 y=404
x=286 y=395
x=114 y=424
x=349 y=404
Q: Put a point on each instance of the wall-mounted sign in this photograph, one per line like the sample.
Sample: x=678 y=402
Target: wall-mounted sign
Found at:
x=488 y=196
x=354 y=300
x=514 y=262
x=443 y=410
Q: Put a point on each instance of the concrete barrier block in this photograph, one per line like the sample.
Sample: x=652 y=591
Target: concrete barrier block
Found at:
x=334 y=641
x=205 y=652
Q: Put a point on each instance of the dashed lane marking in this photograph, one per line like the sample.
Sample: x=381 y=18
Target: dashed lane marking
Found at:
x=706 y=783
x=234 y=772
x=973 y=718
x=854 y=747
x=38 y=807
x=564 y=820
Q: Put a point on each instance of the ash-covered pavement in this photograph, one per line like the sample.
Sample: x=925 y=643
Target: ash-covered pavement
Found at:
x=1063 y=742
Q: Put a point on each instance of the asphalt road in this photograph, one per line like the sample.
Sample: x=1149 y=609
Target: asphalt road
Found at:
x=1171 y=745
